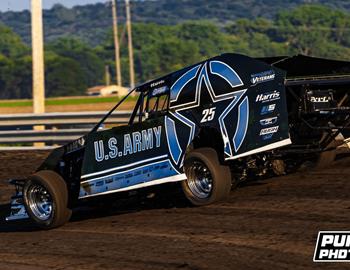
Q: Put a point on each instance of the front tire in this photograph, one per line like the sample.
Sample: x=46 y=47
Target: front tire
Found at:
x=208 y=181
x=46 y=198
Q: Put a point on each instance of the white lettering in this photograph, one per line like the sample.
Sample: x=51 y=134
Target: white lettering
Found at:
x=127 y=144
x=136 y=137
x=158 y=132
x=99 y=151
x=268 y=97
x=147 y=139
x=112 y=144
x=323 y=253
x=326 y=240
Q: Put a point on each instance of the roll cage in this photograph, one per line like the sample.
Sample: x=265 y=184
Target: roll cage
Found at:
x=151 y=103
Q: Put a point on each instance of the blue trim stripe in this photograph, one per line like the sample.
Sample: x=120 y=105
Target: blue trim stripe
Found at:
x=182 y=82
x=226 y=72
x=189 y=123
x=129 y=178
x=174 y=146
x=236 y=99
x=242 y=126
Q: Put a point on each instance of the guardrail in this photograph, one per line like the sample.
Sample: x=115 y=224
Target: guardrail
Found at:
x=60 y=128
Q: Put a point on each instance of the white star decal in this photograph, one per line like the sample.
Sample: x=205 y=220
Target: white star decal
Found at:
x=200 y=72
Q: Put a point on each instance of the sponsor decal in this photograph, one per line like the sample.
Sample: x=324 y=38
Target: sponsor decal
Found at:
x=332 y=246
x=160 y=91
x=267 y=133
x=268 y=121
x=157 y=83
x=268 y=109
x=135 y=142
x=75 y=145
x=262 y=77
x=267 y=97
x=319 y=99
x=99 y=183
x=140 y=176
x=269 y=130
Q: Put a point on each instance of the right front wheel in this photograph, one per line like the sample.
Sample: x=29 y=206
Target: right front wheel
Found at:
x=46 y=198
x=208 y=181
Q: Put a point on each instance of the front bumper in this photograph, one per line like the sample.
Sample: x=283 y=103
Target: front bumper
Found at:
x=18 y=211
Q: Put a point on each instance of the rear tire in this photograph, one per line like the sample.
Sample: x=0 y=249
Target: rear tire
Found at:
x=46 y=198
x=326 y=158
x=208 y=181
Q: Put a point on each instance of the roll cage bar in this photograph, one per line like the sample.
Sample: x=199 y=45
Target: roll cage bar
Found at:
x=140 y=109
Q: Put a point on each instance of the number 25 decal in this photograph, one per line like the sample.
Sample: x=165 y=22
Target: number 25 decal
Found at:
x=208 y=115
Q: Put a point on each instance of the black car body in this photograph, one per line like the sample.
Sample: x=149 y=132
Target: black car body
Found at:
x=261 y=116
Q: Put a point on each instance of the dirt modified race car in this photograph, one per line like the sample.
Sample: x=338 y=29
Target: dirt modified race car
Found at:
x=207 y=127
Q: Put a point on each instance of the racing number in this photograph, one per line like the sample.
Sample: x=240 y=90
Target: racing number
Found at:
x=208 y=115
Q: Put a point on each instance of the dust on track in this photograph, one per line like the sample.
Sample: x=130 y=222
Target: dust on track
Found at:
x=270 y=224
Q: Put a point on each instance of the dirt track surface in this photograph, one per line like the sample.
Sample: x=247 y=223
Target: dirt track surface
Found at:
x=270 y=224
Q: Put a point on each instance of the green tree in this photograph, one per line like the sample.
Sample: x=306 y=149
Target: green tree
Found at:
x=91 y=65
x=307 y=28
x=11 y=44
x=64 y=77
x=12 y=64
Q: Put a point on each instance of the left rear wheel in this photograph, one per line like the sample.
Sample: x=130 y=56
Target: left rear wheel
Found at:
x=46 y=199
x=208 y=181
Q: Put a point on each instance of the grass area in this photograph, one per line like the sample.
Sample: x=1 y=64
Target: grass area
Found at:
x=63 y=101
x=16 y=103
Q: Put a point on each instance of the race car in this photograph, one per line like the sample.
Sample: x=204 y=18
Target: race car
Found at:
x=206 y=127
